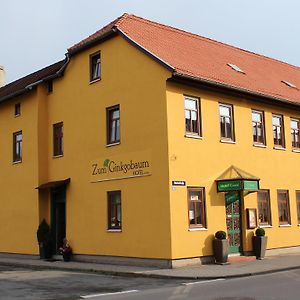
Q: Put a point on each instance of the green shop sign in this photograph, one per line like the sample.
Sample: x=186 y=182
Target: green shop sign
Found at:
x=231 y=197
x=230 y=185
x=251 y=185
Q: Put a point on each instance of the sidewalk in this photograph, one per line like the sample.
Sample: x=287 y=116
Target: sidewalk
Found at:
x=270 y=264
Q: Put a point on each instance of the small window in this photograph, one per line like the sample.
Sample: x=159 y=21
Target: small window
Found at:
x=263 y=204
x=278 y=131
x=192 y=116
x=283 y=207
x=295 y=133
x=298 y=205
x=196 y=204
x=114 y=210
x=113 y=125
x=226 y=122
x=17 y=109
x=58 y=139
x=258 y=127
x=95 y=67
x=17 y=146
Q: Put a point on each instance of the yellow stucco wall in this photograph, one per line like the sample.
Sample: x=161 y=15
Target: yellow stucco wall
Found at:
x=201 y=161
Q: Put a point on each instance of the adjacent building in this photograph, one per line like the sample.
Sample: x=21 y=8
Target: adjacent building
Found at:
x=146 y=140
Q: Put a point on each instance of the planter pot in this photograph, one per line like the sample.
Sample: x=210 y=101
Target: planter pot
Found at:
x=67 y=256
x=45 y=250
x=259 y=246
x=221 y=249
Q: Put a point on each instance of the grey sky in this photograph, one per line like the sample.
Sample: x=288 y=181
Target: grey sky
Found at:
x=35 y=33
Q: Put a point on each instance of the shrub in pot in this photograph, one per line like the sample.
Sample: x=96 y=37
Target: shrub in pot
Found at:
x=221 y=247
x=44 y=239
x=259 y=241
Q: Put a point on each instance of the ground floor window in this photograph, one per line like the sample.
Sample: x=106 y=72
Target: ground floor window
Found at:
x=196 y=203
x=283 y=207
x=263 y=204
x=298 y=205
x=114 y=210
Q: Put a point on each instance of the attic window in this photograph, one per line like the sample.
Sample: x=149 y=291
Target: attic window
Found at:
x=291 y=85
x=236 y=68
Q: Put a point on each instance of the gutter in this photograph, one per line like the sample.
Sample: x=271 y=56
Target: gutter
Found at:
x=234 y=88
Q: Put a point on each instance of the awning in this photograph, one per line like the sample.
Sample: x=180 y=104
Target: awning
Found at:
x=53 y=184
x=235 y=179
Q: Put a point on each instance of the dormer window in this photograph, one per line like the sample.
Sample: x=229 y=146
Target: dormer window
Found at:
x=236 y=68
x=95 y=67
x=17 y=109
x=289 y=84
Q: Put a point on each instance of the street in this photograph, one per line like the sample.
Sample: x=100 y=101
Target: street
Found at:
x=20 y=283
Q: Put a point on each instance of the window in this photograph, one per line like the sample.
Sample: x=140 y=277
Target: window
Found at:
x=226 y=122
x=17 y=146
x=113 y=125
x=295 y=133
x=95 y=66
x=196 y=203
x=283 y=207
x=58 y=139
x=192 y=120
x=298 y=205
x=17 y=109
x=258 y=127
x=114 y=210
x=278 y=133
x=263 y=204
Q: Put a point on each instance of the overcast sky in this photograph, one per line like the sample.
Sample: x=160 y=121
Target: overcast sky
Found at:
x=35 y=33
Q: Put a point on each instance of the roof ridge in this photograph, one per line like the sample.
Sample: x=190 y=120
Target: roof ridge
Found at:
x=184 y=32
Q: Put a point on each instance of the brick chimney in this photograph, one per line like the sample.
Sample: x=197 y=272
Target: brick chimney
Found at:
x=2 y=76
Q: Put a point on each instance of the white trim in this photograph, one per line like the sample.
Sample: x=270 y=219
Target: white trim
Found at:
x=193 y=136
x=113 y=144
x=114 y=230
x=296 y=150
x=260 y=145
x=57 y=156
x=198 y=229
x=265 y=226
x=227 y=141
x=285 y=225
x=95 y=80
x=279 y=148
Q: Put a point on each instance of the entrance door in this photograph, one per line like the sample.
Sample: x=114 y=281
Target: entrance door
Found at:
x=58 y=217
x=233 y=222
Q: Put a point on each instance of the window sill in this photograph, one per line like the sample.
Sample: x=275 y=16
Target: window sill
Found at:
x=227 y=141
x=296 y=150
x=94 y=80
x=265 y=226
x=18 y=115
x=279 y=148
x=198 y=229
x=16 y=162
x=113 y=144
x=57 y=156
x=114 y=230
x=285 y=225
x=260 y=145
x=191 y=136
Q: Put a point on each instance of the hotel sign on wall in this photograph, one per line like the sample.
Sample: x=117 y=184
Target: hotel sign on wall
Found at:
x=130 y=165
x=237 y=185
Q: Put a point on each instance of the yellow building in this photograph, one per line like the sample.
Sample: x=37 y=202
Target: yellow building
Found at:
x=144 y=142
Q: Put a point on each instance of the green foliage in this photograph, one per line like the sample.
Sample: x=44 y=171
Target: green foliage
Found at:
x=260 y=232
x=220 y=235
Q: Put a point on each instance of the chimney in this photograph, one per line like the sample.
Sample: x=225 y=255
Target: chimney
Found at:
x=2 y=76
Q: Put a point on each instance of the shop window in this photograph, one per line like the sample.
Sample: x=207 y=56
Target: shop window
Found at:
x=17 y=109
x=278 y=131
x=114 y=210
x=295 y=133
x=298 y=205
x=226 y=122
x=17 y=146
x=258 y=127
x=95 y=67
x=58 y=139
x=113 y=125
x=283 y=207
x=196 y=203
x=192 y=116
x=263 y=204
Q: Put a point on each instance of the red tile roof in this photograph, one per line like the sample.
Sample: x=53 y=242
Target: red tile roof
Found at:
x=206 y=59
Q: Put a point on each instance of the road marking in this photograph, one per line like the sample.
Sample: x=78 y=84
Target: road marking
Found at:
x=205 y=281
x=107 y=294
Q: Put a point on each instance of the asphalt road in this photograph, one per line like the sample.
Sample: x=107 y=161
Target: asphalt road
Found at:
x=19 y=283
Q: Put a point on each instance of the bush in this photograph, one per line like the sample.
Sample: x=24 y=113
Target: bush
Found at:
x=220 y=235
x=260 y=232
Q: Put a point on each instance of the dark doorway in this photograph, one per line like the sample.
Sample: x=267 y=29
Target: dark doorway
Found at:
x=58 y=217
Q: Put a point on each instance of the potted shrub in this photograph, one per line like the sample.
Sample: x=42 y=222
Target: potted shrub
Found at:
x=66 y=250
x=44 y=239
x=259 y=241
x=221 y=248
